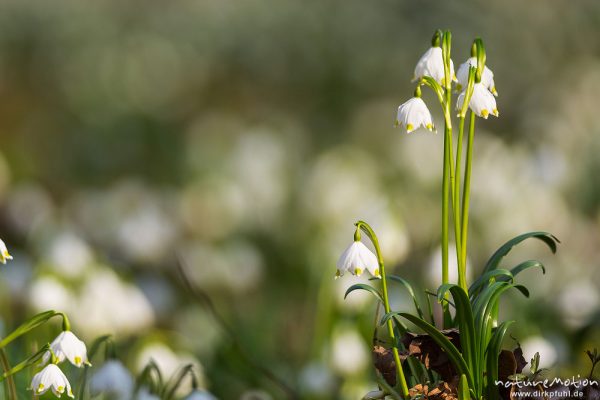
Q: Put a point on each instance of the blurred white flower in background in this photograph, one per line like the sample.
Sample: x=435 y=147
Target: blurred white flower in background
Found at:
x=238 y=266
x=256 y=394
x=112 y=379
x=349 y=354
x=69 y=255
x=48 y=292
x=316 y=378
x=169 y=363
x=434 y=270
x=51 y=378
x=29 y=208
x=67 y=346
x=100 y=305
x=578 y=300
x=358 y=299
x=413 y=115
x=431 y=64
x=538 y=344
x=144 y=394
x=200 y=395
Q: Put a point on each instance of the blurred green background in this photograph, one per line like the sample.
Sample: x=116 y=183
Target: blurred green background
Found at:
x=242 y=139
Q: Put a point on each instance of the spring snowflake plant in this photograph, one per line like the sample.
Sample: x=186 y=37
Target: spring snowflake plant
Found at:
x=471 y=340
x=112 y=379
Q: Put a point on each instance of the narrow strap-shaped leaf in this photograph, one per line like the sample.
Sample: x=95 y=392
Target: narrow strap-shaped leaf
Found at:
x=550 y=240
x=484 y=279
x=493 y=353
x=363 y=286
x=466 y=325
x=463 y=388
x=411 y=292
x=24 y=364
x=451 y=351
x=526 y=265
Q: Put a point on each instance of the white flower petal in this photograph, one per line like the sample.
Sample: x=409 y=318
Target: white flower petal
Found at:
x=432 y=64
x=487 y=77
x=356 y=259
x=51 y=378
x=4 y=254
x=482 y=101
x=414 y=114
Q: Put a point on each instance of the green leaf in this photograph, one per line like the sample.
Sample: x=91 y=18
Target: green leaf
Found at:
x=486 y=277
x=493 y=353
x=550 y=240
x=363 y=286
x=466 y=325
x=463 y=388
x=27 y=326
x=526 y=265
x=451 y=351
x=411 y=292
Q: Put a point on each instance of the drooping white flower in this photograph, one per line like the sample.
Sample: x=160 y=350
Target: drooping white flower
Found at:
x=4 y=255
x=432 y=64
x=355 y=259
x=482 y=101
x=414 y=114
x=68 y=346
x=113 y=379
x=145 y=394
x=51 y=378
x=487 y=77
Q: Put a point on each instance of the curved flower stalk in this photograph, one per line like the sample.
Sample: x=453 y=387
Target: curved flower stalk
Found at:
x=482 y=101
x=51 y=378
x=4 y=254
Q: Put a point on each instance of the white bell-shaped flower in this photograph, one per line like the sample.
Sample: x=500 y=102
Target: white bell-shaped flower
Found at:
x=487 y=77
x=414 y=114
x=355 y=259
x=51 y=378
x=482 y=101
x=4 y=254
x=198 y=394
x=113 y=379
x=432 y=64
x=68 y=346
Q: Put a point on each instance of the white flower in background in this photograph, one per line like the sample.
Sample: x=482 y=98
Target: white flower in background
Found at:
x=375 y=395
x=487 y=77
x=198 y=394
x=144 y=394
x=4 y=255
x=432 y=64
x=414 y=114
x=482 y=101
x=356 y=258
x=68 y=346
x=538 y=344
x=51 y=377
x=114 y=379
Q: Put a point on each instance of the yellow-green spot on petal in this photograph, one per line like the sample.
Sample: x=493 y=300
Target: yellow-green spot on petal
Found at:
x=357 y=271
x=495 y=112
x=485 y=113
x=77 y=360
x=60 y=389
x=40 y=388
x=377 y=274
x=429 y=126
x=409 y=128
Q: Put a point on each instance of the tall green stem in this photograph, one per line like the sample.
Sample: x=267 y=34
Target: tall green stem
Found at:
x=9 y=384
x=467 y=190
x=386 y=304
x=460 y=244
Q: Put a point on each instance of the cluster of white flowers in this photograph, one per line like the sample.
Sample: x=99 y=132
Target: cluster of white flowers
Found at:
x=66 y=346
x=414 y=114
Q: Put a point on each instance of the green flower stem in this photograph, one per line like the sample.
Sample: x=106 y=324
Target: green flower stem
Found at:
x=386 y=304
x=467 y=190
x=10 y=389
x=460 y=244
